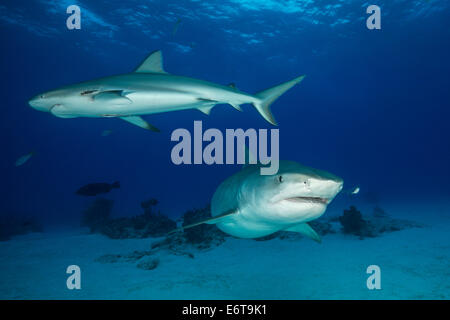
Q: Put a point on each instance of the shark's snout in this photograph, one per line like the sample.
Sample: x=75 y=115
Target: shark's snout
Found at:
x=330 y=188
x=312 y=190
x=38 y=103
x=33 y=102
x=340 y=185
x=321 y=191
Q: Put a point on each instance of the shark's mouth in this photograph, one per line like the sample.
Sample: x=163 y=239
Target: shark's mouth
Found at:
x=309 y=199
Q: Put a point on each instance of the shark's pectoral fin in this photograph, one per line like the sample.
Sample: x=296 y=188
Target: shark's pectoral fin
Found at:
x=212 y=220
x=153 y=64
x=60 y=111
x=138 y=121
x=112 y=97
x=306 y=230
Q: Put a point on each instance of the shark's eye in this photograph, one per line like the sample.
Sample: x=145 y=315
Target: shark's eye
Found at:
x=280 y=179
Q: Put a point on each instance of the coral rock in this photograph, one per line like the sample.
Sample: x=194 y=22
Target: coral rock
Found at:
x=205 y=235
x=97 y=214
x=372 y=226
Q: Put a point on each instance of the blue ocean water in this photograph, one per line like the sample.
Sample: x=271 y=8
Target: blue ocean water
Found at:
x=373 y=108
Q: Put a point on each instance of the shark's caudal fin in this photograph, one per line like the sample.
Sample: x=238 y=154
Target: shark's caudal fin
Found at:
x=267 y=97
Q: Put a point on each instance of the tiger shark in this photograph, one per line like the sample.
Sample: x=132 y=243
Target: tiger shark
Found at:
x=147 y=90
x=251 y=205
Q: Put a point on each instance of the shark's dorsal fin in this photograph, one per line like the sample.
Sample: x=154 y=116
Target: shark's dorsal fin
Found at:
x=212 y=220
x=153 y=64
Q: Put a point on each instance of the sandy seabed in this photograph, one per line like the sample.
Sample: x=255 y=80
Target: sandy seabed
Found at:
x=415 y=264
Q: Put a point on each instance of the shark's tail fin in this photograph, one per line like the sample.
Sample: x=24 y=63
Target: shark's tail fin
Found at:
x=267 y=97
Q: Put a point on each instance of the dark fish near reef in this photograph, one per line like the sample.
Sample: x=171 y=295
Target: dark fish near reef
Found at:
x=93 y=189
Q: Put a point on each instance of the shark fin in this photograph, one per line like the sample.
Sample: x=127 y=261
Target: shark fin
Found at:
x=212 y=220
x=112 y=97
x=153 y=64
x=207 y=105
x=138 y=121
x=267 y=97
x=206 y=109
x=306 y=230
x=236 y=106
x=60 y=111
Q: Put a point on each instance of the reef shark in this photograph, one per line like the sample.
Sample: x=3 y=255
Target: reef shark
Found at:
x=147 y=90
x=251 y=205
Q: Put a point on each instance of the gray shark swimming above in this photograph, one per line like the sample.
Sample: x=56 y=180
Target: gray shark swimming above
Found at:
x=251 y=205
x=147 y=90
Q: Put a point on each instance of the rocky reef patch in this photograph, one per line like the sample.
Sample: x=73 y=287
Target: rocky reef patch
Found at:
x=148 y=224
x=17 y=224
x=152 y=224
x=379 y=222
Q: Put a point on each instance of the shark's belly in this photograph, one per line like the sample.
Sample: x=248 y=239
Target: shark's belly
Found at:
x=157 y=102
x=241 y=227
x=138 y=103
x=180 y=97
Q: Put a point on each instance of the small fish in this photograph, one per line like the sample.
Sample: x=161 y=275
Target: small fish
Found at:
x=106 y=133
x=23 y=159
x=352 y=191
x=93 y=189
x=355 y=191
